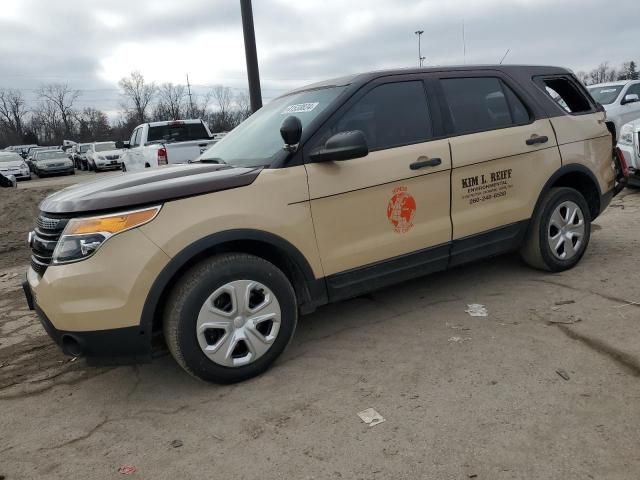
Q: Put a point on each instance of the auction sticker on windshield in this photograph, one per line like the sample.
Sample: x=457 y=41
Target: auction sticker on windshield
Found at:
x=300 y=108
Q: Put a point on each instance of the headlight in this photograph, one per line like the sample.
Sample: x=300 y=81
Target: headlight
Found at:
x=626 y=135
x=100 y=157
x=82 y=237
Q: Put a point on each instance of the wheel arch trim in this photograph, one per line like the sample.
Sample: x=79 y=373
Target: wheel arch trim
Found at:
x=315 y=289
x=568 y=169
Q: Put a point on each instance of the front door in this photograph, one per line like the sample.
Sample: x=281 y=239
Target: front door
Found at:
x=383 y=217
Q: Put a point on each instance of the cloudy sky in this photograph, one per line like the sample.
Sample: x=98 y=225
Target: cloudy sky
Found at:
x=90 y=44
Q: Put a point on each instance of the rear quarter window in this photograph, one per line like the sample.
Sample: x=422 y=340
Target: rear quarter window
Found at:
x=566 y=94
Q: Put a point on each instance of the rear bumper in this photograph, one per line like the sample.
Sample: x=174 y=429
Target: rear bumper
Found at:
x=100 y=347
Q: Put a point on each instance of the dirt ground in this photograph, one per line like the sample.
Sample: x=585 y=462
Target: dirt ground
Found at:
x=546 y=386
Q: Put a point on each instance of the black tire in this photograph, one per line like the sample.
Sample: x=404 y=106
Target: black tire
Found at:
x=535 y=250
x=193 y=289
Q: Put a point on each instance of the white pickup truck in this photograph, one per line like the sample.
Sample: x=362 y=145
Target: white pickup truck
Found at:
x=160 y=143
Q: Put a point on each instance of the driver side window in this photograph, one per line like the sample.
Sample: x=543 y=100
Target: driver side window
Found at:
x=390 y=115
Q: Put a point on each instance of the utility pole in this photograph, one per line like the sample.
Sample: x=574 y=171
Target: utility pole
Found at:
x=420 y=57
x=255 y=94
x=190 y=99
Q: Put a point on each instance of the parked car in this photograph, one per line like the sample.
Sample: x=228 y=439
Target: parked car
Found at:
x=31 y=152
x=11 y=163
x=80 y=156
x=161 y=143
x=325 y=193
x=52 y=162
x=103 y=156
x=621 y=100
x=629 y=145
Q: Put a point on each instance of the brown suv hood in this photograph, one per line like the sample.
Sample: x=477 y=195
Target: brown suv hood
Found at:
x=148 y=187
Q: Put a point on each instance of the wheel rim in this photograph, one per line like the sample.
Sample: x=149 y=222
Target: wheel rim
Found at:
x=566 y=230
x=238 y=323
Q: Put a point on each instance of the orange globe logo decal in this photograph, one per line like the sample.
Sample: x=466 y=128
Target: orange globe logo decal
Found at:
x=401 y=209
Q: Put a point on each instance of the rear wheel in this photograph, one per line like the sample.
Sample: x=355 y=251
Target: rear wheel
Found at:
x=230 y=317
x=560 y=231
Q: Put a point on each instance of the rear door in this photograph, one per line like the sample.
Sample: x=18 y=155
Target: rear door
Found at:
x=502 y=156
x=384 y=217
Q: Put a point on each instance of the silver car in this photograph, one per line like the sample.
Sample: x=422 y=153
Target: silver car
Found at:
x=52 y=162
x=11 y=163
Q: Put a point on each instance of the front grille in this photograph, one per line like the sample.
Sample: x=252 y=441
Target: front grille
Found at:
x=44 y=241
x=112 y=157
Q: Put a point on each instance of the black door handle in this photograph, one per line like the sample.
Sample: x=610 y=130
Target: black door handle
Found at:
x=431 y=162
x=536 y=140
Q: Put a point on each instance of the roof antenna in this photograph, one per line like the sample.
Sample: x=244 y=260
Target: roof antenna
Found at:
x=464 y=45
x=505 y=56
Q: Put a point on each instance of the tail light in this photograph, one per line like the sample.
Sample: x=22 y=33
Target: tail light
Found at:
x=622 y=162
x=162 y=156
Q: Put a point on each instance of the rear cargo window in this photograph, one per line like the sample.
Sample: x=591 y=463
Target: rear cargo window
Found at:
x=177 y=132
x=567 y=95
x=482 y=103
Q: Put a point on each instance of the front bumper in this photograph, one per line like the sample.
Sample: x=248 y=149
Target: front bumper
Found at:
x=56 y=170
x=115 y=347
x=18 y=174
x=93 y=307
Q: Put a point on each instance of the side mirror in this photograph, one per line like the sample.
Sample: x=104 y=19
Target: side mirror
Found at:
x=120 y=145
x=342 y=146
x=291 y=132
x=630 y=98
x=8 y=182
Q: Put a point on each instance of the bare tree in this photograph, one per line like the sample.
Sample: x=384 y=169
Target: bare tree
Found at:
x=13 y=111
x=602 y=74
x=222 y=118
x=47 y=124
x=93 y=125
x=138 y=94
x=171 y=101
x=61 y=98
x=243 y=106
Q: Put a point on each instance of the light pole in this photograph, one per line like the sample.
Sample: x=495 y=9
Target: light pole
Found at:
x=255 y=94
x=420 y=57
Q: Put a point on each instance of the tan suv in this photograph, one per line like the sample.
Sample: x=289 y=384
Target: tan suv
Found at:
x=327 y=192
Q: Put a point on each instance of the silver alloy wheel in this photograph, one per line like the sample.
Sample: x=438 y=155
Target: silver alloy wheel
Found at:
x=566 y=230
x=238 y=323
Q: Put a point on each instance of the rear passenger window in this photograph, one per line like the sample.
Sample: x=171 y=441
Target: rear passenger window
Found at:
x=391 y=115
x=483 y=103
x=567 y=95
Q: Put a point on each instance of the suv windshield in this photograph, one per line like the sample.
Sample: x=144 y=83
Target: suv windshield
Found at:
x=50 y=155
x=103 y=147
x=605 y=95
x=257 y=140
x=177 y=132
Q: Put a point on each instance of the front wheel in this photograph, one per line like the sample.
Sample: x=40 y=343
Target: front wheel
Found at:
x=559 y=232
x=230 y=317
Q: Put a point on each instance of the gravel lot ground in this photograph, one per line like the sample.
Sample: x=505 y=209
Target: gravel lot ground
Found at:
x=463 y=397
